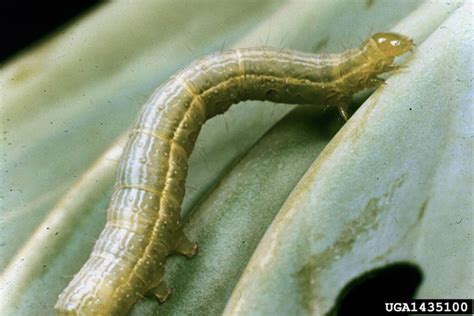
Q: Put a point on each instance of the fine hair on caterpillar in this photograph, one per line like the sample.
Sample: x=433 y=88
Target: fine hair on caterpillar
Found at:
x=143 y=219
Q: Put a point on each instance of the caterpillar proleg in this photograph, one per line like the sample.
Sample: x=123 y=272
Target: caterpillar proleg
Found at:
x=143 y=221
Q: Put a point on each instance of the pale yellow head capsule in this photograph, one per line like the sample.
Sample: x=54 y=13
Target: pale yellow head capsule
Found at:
x=392 y=44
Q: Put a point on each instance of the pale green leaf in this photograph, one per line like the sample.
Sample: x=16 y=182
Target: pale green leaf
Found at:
x=394 y=184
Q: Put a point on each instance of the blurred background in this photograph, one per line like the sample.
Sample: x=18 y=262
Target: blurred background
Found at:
x=24 y=23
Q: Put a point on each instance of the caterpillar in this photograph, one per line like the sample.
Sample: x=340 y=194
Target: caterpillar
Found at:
x=143 y=220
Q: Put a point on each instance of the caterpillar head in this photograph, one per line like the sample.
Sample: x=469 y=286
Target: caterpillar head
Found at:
x=391 y=44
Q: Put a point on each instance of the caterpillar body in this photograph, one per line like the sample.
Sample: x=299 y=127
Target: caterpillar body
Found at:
x=143 y=220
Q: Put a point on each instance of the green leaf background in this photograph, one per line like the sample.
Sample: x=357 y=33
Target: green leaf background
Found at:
x=286 y=206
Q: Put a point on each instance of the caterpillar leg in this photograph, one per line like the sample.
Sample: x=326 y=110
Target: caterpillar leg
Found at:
x=343 y=110
x=161 y=292
x=186 y=247
x=376 y=82
x=393 y=67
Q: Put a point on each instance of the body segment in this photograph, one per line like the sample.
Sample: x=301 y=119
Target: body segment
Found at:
x=143 y=221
